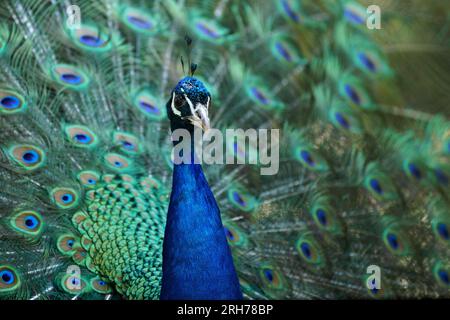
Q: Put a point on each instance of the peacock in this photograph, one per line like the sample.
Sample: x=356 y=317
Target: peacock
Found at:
x=193 y=209
x=93 y=205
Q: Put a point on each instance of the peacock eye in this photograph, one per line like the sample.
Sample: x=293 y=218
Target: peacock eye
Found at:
x=179 y=101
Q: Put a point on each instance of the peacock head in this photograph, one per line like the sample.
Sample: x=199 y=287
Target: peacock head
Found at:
x=188 y=105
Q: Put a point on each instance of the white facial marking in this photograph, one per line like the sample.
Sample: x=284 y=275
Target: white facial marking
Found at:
x=174 y=110
x=191 y=105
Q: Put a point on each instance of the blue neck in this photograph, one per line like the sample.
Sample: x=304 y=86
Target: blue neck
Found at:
x=197 y=262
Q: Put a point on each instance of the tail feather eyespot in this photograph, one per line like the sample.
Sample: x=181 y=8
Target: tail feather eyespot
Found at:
x=127 y=142
x=9 y=279
x=67 y=243
x=81 y=136
x=88 y=178
x=70 y=76
x=64 y=198
x=27 y=222
x=118 y=162
x=101 y=286
x=90 y=38
x=11 y=102
x=27 y=156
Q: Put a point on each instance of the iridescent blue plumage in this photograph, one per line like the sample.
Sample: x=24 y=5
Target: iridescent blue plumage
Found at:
x=197 y=262
x=192 y=87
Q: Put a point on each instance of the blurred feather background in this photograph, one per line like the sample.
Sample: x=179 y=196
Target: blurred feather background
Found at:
x=364 y=157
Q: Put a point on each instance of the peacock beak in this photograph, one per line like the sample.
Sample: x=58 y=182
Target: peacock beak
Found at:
x=199 y=114
x=202 y=112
